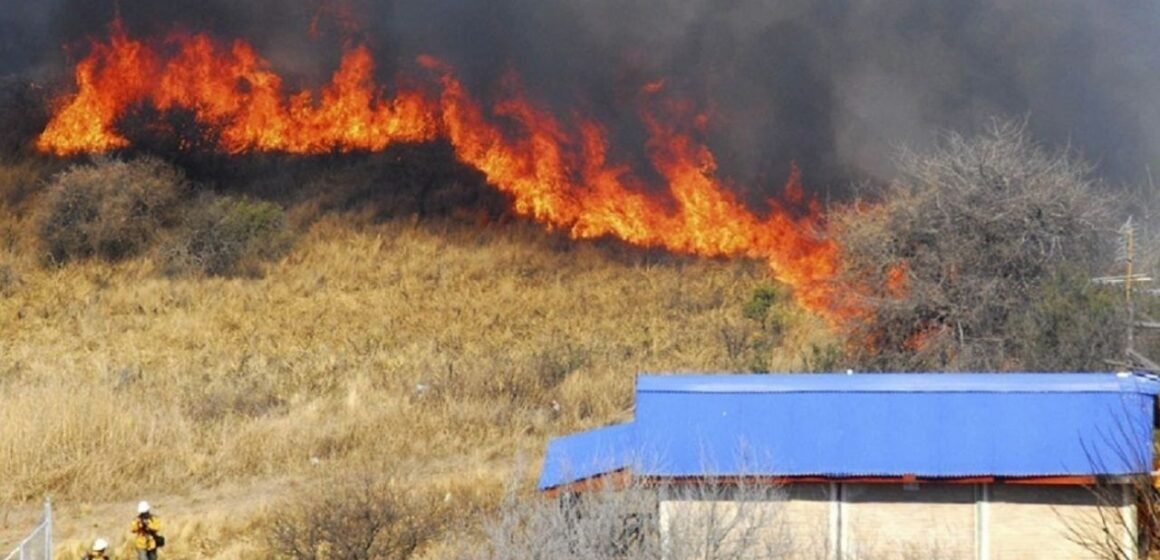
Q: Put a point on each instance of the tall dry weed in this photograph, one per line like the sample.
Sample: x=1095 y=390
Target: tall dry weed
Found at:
x=450 y=350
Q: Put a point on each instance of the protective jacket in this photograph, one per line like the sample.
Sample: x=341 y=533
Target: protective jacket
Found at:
x=145 y=529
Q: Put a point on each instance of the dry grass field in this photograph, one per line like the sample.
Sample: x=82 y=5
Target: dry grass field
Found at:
x=441 y=354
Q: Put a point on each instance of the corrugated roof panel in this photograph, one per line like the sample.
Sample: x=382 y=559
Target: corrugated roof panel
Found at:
x=895 y=434
x=586 y=454
x=925 y=425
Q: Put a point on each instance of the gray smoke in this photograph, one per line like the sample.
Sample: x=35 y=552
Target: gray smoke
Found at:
x=836 y=86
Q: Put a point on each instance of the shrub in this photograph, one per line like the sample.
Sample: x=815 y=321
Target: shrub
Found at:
x=243 y=397
x=767 y=307
x=962 y=248
x=1071 y=325
x=109 y=209
x=821 y=358
x=361 y=517
x=422 y=180
x=9 y=281
x=226 y=236
x=21 y=179
x=750 y=345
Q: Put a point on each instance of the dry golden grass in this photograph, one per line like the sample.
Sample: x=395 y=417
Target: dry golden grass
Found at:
x=435 y=351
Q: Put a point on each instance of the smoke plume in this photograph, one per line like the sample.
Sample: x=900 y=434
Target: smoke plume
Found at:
x=835 y=86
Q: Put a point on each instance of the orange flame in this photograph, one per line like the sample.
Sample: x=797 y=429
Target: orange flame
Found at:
x=235 y=91
x=897 y=283
x=110 y=79
x=923 y=338
x=559 y=174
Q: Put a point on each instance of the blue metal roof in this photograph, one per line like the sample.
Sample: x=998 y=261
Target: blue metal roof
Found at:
x=925 y=425
x=900 y=382
x=587 y=454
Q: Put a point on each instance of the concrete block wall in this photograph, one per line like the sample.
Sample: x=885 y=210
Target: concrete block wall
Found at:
x=930 y=521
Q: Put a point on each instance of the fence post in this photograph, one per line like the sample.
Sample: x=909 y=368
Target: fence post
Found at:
x=47 y=528
x=40 y=536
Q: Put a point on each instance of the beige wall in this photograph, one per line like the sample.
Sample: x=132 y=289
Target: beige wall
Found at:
x=1044 y=522
x=887 y=521
x=793 y=526
x=807 y=517
x=926 y=522
x=724 y=529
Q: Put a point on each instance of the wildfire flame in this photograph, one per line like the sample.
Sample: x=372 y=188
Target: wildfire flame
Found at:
x=235 y=91
x=558 y=173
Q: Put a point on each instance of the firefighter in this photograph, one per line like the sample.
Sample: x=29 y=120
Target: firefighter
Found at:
x=98 y=551
x=146 y=529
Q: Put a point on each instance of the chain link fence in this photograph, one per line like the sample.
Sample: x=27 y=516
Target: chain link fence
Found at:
x=38 y=544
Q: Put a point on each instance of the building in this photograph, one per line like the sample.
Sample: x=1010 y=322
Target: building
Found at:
x=987 y=466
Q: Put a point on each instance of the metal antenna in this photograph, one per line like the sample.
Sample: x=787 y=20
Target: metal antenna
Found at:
x=1125 y=252
x=1127 y=235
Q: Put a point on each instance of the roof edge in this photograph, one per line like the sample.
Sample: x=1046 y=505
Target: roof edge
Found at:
x=582 y=455
x=1021 y=382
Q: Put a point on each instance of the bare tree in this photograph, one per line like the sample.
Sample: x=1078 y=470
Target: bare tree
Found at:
x=701 y=518
x=1124 y=524
x=979 y=257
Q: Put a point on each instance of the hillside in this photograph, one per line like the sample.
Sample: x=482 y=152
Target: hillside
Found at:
x=309 y=271
x=439 y=353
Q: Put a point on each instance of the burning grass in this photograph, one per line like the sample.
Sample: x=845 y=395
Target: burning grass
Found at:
x=205 y=96
x=443 y=351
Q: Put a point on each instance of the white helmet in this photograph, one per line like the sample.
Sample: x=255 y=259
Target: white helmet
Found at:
x=142 y=507
x=100 y=545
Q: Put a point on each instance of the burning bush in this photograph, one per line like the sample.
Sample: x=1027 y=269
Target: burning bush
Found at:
x=970 y=251
x=109 y=209
x=175 y=136
x=227 y=236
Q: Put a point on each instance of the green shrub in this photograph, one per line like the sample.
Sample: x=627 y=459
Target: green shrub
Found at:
x=767 y=306
x=751 y=345
x=109 y=209
x=227 y=236
x=822 y=358
x=1072 y=324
